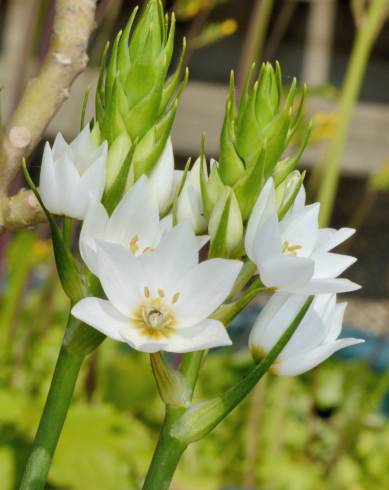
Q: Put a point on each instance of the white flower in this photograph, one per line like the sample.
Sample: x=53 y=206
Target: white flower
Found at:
x=162 y=178
x=190 y=204
x=134 y=224
x=70 y=173
x=315 y=339
x=162 y=299
x=294 y=254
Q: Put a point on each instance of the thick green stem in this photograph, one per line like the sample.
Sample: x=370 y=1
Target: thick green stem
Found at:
x=166 y=455
x=53 y=417
x=351 y=87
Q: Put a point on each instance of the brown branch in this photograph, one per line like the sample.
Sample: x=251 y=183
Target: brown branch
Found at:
x=65 y=59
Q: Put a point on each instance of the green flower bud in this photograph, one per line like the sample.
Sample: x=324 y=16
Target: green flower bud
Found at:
x=287 y=192
x=134 y=100
x=255 y=136
x=226 y=226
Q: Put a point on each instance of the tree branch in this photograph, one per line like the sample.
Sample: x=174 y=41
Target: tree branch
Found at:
x=65 y=59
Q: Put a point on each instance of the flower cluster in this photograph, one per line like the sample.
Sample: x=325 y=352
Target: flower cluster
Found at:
x=144 y=223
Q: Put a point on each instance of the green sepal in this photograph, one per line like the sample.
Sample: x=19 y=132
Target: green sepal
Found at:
x=171 y=384
x=123 y=56
x=67 y=270
x=288 y=164
x=225 y=226
x=248 y=131
x=245 y=94
x=149 y=149
x=173 y=81
x=179 y=190
x=248 y=187
x=267 y=98
x=276 y=140
x=211 y=187
x=231 y=166
x=198 y=420
x=285 y=206
x=113 y=195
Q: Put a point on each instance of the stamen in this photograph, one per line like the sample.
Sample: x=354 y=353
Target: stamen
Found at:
x=146 y=290
x=148 y=249
x=290 y=249
x=161 y=293
x=175 y=297
x=134 y=247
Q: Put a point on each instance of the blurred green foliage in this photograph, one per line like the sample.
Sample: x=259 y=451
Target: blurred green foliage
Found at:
x=319 y=431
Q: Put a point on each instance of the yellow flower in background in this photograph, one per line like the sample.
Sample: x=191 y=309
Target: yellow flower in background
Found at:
x=379 y=180
x=324 y=126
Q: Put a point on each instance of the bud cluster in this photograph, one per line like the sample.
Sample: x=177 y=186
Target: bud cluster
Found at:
x=253 y=140
x=135 y=102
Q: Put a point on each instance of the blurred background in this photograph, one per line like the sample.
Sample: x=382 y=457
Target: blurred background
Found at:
x=328 y=429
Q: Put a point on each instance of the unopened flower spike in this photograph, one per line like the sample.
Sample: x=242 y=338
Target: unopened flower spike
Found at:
x=315 y=339
x=162 y=299
x=293 y=254
x=255 y=136
x=134 y=102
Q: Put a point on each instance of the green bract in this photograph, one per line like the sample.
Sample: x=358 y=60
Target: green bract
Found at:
x=135 y=103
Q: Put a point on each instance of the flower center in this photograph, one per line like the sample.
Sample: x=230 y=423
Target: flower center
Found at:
x=290 y=249
x=155 y=317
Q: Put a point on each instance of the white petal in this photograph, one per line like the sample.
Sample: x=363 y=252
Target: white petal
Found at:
x=286 y=273
x=83 y=148
x=93 y=228
x=48 y=182
x=165 y=225
x=264 y=207
x=330 y=265
x=313 y=328
x=92 y=183
x=204 y=335
x=329 y=238
x=136 y=215
x=140 y=342
x=68 y=182
x=325 y=286
x=204 y=288
x=121 y=276
x=162 y=177
x=175 y=255
x=335 y=322
x=304 y=362
x=277 y=315
x=267 y=241
x=302 y=229
x=60 y=147
x=101 y=315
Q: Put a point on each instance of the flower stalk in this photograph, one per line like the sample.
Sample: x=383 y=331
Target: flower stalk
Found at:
x=359 y=58
x=53 y=416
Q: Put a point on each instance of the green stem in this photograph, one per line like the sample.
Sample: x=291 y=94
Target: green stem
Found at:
x=166 y=455
x=52 y=419
x=351 y=87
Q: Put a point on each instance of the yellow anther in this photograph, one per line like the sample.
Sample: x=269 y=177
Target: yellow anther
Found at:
x=134 y=247
x=175 y=297
x=146 y=291
x=161 y=293
x=290 y=249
